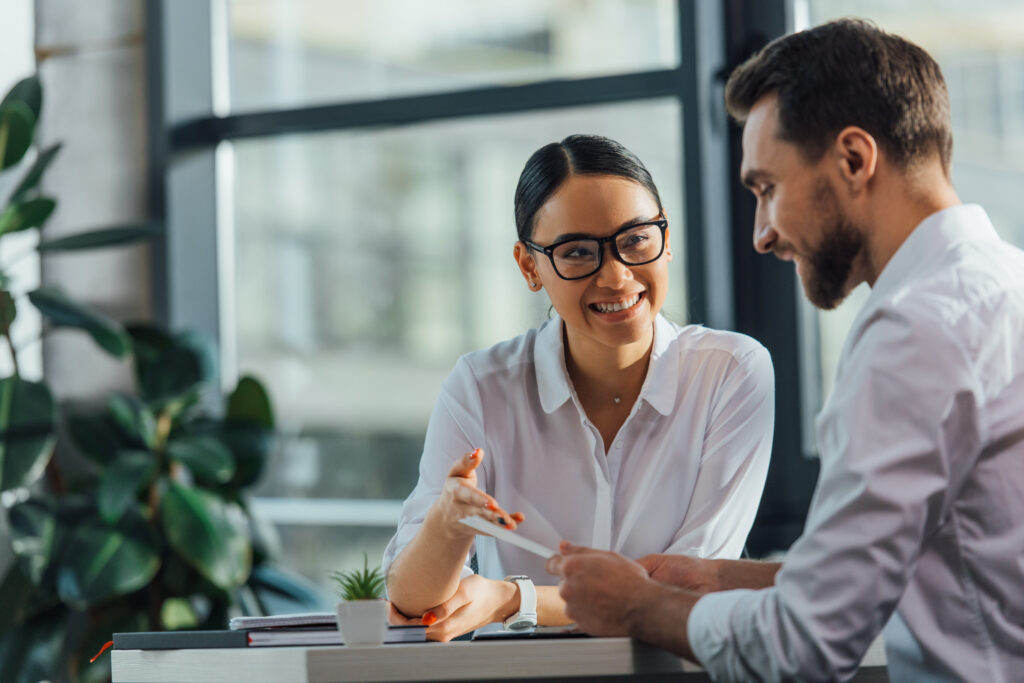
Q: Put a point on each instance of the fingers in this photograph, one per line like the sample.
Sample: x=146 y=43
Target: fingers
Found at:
x=465 y=465
x=473 y=501
x=398 y=619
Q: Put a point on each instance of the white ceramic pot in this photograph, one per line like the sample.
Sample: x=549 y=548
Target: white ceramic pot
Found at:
x=363 y=622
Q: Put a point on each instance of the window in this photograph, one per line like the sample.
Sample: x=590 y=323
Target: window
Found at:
x=341 y=176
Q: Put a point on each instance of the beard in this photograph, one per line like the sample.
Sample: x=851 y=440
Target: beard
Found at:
x=826 y=275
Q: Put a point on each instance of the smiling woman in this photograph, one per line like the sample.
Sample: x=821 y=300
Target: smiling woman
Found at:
x=608 y=425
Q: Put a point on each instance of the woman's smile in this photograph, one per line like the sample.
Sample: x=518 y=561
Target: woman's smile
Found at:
x=617 y=307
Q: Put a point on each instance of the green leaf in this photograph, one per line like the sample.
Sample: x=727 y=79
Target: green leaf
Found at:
x=15 y=593
x=130 y=472
x=29 y=92
x=134 y=418
x=208 y=459
x=31 y=213
x=98 y=239
x=98 y=436
x=17 y=126
x=33 y=527
x=8 y=310
x=63 y=312
x=249 y=402
x=208 y=533
x=31 y=652
x=34 y=173
x=250 y=444
x=170 y=368
x=28 y=420
x=104 y=560
x=177 y=614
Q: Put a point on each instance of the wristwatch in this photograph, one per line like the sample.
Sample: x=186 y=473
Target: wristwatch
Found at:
x=526 y=616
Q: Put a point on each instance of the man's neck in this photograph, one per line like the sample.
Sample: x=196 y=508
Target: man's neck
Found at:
x=903 y=200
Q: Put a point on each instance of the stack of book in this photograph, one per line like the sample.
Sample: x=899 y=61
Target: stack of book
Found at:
x=309 y=629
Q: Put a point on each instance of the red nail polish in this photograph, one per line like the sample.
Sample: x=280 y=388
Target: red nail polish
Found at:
x=492 y=507
x=429 y=619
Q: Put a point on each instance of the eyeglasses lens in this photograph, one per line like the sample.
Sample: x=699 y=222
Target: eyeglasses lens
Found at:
x=635 y=246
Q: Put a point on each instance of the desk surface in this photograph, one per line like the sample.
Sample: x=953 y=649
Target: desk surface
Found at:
x=482 y=660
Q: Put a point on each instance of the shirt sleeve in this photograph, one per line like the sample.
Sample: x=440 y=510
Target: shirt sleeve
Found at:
x=455 y=428
x=734 y=461
x=900 y=433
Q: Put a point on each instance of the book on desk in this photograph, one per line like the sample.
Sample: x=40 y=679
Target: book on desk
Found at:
x=310 y=629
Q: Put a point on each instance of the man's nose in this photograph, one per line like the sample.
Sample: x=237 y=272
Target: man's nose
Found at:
x=764 y=235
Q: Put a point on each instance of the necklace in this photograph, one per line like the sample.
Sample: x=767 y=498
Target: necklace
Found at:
x=617 y=399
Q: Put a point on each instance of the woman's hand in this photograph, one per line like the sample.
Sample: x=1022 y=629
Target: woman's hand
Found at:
x=461 y=498
x=477 y=602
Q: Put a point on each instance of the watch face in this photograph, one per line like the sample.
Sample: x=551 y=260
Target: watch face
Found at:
x=520 y=625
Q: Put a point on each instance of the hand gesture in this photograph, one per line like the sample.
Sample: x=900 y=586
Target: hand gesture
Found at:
x=477 y=602
x=461 y=498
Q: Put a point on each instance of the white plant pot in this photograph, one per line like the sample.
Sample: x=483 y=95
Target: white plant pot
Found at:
x=363 y=622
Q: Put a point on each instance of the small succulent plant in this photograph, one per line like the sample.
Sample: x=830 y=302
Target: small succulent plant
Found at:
x=360 y=584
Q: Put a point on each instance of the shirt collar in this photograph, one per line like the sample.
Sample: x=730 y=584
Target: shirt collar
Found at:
x=659 y=389
x=934 y=235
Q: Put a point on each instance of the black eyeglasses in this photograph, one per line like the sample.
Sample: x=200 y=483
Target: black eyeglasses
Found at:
x=580 y=257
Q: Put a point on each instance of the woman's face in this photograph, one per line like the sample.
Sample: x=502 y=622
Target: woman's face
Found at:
x=598 y=206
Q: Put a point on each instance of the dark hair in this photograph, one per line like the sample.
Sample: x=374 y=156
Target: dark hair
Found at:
x=849 y=72
x=552 y=164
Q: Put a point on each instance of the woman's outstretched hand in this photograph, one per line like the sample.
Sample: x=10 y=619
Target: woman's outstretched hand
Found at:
x=461 y=498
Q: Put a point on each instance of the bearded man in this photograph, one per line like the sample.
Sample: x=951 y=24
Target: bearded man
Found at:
x=915 y=525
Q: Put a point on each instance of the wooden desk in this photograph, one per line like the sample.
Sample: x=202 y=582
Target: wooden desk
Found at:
x=604 y=659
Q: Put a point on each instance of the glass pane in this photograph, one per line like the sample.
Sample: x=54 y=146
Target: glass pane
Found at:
x=286 y=53
x=980 y=47
x=368 y=261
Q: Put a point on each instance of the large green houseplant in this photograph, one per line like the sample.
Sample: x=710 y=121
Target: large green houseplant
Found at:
x=140 y=522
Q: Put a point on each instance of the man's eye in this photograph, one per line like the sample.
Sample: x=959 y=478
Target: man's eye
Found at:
x=767 y=191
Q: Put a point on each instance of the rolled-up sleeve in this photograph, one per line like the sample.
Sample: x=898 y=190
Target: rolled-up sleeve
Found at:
x=455 y=428
x=897 y=438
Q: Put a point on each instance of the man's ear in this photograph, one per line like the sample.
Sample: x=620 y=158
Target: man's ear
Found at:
x=857 y=155
x=527 y=266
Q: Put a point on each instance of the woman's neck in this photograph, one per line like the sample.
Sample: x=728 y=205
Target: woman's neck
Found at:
x=607 y=373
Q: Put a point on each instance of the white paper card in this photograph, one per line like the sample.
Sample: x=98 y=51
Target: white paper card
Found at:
x=503 y=534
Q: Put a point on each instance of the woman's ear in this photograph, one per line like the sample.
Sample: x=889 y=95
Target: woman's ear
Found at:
x=527 y=266
x=668 y=243
x=857 y=154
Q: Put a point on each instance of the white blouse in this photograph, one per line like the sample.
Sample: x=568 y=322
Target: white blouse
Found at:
x=684 y=473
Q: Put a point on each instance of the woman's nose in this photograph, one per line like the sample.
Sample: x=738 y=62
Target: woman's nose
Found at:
x=612 y=271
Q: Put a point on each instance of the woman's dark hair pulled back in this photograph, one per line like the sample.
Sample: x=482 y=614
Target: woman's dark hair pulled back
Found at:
x=552 y=164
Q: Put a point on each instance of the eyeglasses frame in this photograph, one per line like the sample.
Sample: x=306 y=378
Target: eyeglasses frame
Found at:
x=601 y=241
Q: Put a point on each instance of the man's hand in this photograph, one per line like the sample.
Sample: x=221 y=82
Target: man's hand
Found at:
x=599 y=588
x=477 y=602
x=692 y=573
x=609 y=595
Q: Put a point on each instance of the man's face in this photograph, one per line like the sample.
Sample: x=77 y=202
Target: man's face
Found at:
x=799 y=217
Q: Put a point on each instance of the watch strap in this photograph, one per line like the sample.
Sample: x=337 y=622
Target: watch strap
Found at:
x=526 y=616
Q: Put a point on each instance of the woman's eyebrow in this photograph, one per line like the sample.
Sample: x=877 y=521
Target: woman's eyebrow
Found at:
x=588 y=236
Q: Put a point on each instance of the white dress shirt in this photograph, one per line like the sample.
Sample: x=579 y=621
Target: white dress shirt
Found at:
x=684 y=474
x=920 y=502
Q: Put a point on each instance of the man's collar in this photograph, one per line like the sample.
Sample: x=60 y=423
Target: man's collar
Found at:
x=659 y=388
x=932 y=236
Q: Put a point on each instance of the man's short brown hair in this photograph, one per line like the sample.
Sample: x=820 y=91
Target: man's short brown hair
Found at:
x=849 y=73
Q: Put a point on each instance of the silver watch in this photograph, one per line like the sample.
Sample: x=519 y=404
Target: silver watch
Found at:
x=525 y=617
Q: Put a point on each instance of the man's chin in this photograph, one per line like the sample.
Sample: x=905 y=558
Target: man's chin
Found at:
x=826 y=296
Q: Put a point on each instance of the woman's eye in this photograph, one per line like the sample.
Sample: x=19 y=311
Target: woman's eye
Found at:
x=578 y=253
x=635 y=240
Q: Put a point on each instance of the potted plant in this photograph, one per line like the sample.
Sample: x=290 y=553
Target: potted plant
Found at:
x=142 y=520
x=362 y=612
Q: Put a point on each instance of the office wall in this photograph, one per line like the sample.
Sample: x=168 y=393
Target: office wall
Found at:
x=92 y=67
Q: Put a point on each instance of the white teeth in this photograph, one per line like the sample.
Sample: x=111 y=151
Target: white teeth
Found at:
x=621 y=306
